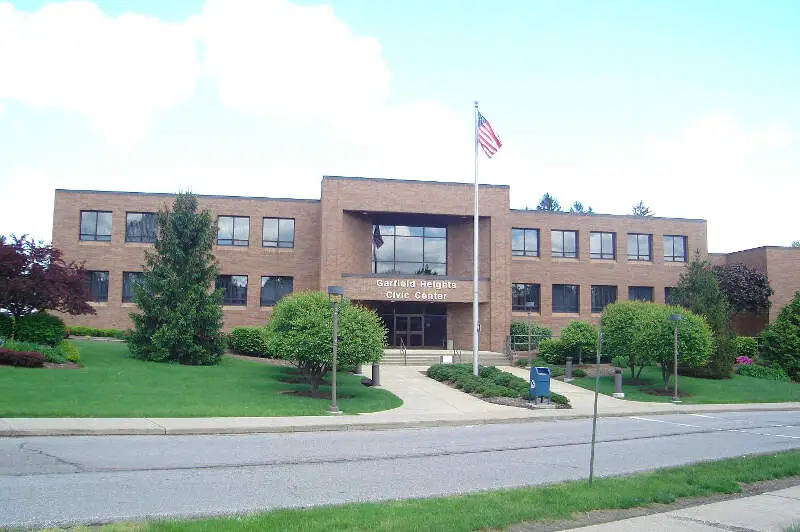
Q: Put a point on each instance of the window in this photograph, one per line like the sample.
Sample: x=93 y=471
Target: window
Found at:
x=233 y=231
x=638 y=246
x=407 y=249
x=668 y=295
x=128 y=280
x=96 y=225
x=525 y=242
x=565 y=243
x=566 y=298
x=640 y=293
x=98 y=286
x=274 y=288
x=674 y=248
x=601 y=245
x=235 y=289
x=603 y=295
x=277 y=233
x=140 y=227
x=525 y=297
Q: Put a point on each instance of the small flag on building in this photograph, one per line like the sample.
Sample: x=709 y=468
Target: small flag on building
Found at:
x=487 y=138
x=377 y=239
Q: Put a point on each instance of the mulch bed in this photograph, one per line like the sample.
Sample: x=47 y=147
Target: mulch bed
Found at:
x=261 y=360
x=519 y=403
x=68 y=365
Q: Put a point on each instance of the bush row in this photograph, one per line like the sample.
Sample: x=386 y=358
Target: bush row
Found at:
x=59 y=354
x=772 y=373
x=23 y=359
x=79 y=330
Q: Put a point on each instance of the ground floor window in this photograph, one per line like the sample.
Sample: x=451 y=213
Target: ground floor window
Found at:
x=128 y=280
x=525 y=297
x=234 y=289
x=566 y=298
x=640 y=293
x=273 y=288
x=98 y=286
x=603 y=295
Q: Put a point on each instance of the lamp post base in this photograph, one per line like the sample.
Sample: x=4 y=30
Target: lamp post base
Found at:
x=334 y=410
x=676 y=400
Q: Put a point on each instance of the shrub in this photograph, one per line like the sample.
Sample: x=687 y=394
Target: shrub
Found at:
x=6 y=326
x=619 y=362
x=559 y=399
x=519 y=335
x=522 y=362
x=69 y=351
x=79 y=330
x=578 y=339
x=39 y=328
x=745 y=346
x=51 y=354
x=249 y=341
x=23 y=359
x=577 y=372
x=744 y=361
x=773 y=373
x=551 y=350
x=781 y=339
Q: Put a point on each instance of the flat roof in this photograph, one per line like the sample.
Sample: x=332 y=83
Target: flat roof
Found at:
x=172 y=195
x=631 y=216
x=392 y=180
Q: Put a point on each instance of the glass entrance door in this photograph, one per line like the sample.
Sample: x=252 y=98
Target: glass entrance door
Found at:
x=415 y=324
x=408 y=329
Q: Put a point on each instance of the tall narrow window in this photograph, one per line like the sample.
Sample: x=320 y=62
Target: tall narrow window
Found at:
x=277 y=233
x=603 y=295
x=525 y=242
x=640 y=293
x=525 y=297
x=233 y=231
x=98 y=286
x=601 y=245
x=95 y=225
x=128 y=280
x=273 y=288
x=565 y=243
x=140 y=227
x=674 y=248
x=234 y=289
x=566 y=298
x=639 y=247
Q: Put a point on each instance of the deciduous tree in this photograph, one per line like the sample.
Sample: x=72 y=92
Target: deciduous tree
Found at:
x=745 y=288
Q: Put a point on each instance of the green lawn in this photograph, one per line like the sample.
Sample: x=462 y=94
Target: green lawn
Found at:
x=113 y=385
x=739 y=389
x=499 y=509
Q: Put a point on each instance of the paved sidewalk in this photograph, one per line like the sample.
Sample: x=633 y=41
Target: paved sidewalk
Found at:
x=775 y=510
x=427 y=403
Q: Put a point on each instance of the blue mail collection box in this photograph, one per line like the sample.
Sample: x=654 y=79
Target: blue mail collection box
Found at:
x=540 y=383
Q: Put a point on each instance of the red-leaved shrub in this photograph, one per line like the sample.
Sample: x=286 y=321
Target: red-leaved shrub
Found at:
x=24 y=359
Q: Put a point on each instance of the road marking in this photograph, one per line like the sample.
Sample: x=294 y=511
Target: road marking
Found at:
x=701 y=415
x=667 y=422
x=717 y=429
x=773 y=435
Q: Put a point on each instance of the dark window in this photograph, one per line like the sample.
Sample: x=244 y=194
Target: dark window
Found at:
x=603 y=295
x=274 y=288
x=668 y=295
x=525 y=297
x=674 y=248
x=638 y=246
x=601 y=245
x=525 y=242
x=233 y=231
x=235 y=289
x=565 y=243
x=566 y=298
x=277 y=233
x=96 y=225
x=409 y=249
x=640 y=293
x=128 y=280
x=98 y=286
x=140 y=227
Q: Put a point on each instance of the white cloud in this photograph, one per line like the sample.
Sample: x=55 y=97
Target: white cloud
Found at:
x=117 y=72
x=2 y=109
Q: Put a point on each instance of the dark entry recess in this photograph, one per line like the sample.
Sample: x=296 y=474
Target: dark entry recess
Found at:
x=416 y=325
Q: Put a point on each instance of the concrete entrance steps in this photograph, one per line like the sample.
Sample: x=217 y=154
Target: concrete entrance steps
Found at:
x=429 y=357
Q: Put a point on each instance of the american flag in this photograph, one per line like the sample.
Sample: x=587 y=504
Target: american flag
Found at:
x=487 y=138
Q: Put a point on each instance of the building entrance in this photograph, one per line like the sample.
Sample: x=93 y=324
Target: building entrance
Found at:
x=414 y=325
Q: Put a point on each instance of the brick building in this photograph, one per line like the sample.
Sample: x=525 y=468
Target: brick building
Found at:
x=558 y=266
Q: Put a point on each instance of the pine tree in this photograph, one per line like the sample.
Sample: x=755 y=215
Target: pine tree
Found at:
x=181 y=317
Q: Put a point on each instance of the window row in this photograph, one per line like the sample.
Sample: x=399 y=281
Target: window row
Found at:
x=525 y=297
x=231 y=230
x=602 y=245
x=409 y=249
x=234 y=287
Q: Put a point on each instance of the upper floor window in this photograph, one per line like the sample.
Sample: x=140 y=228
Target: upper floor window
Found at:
x=525 y=297
x=96 y=225
x=277 y=233
x=674 y=248
x=640 y=293
x=566 y=298
x=274 y=288
x=565 y=243
x=98 y=286
x=128 y=280
x=639 y=246
x=140 y=227
x=233 y=231
x=409 y=249
x=525 y=242
x=603 y=295
x=234 y=289
x=601 y=245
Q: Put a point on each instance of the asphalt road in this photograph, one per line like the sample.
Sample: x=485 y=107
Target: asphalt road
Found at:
x=68 y=480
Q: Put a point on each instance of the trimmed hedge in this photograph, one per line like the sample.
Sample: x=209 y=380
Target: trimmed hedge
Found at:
x=772 y=373
x=79 y=330
x=553 y=351
x=69 y=351
x=745 y=346
x=22 y=359
x=6 y=326
x=39 y=328
x=249 y=341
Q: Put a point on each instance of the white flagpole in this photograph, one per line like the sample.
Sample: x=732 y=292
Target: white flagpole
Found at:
x=475 y=259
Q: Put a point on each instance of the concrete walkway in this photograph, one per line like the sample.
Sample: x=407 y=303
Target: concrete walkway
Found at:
x=427 y=403
x=773 y=511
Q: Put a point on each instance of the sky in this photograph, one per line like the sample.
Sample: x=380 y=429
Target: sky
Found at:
x=689 y=106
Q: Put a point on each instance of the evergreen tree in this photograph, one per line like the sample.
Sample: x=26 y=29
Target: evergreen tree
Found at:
x=578 y=208
x=548 y=203
x=640 y=209
x=181 y=318
x=782 y=339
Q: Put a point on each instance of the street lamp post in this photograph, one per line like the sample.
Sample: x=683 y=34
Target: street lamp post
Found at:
x=530 y=306
x=676 y=318
x=335 y=294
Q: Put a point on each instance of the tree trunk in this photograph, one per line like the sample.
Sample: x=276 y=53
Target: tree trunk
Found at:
x=633 y=371
x=639 y=374
x=665 y=371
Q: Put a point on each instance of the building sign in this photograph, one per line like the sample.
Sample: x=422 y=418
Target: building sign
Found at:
x=416 y=289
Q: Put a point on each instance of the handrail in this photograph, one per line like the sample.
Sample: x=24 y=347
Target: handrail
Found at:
x=404 y=351
x=456 y=353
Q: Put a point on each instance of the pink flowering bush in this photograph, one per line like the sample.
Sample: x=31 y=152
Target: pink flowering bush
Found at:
x=744 y=360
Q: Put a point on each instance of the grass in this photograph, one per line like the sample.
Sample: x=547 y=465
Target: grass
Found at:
x=502 y=508
x=739 y=389
x=113 y=385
